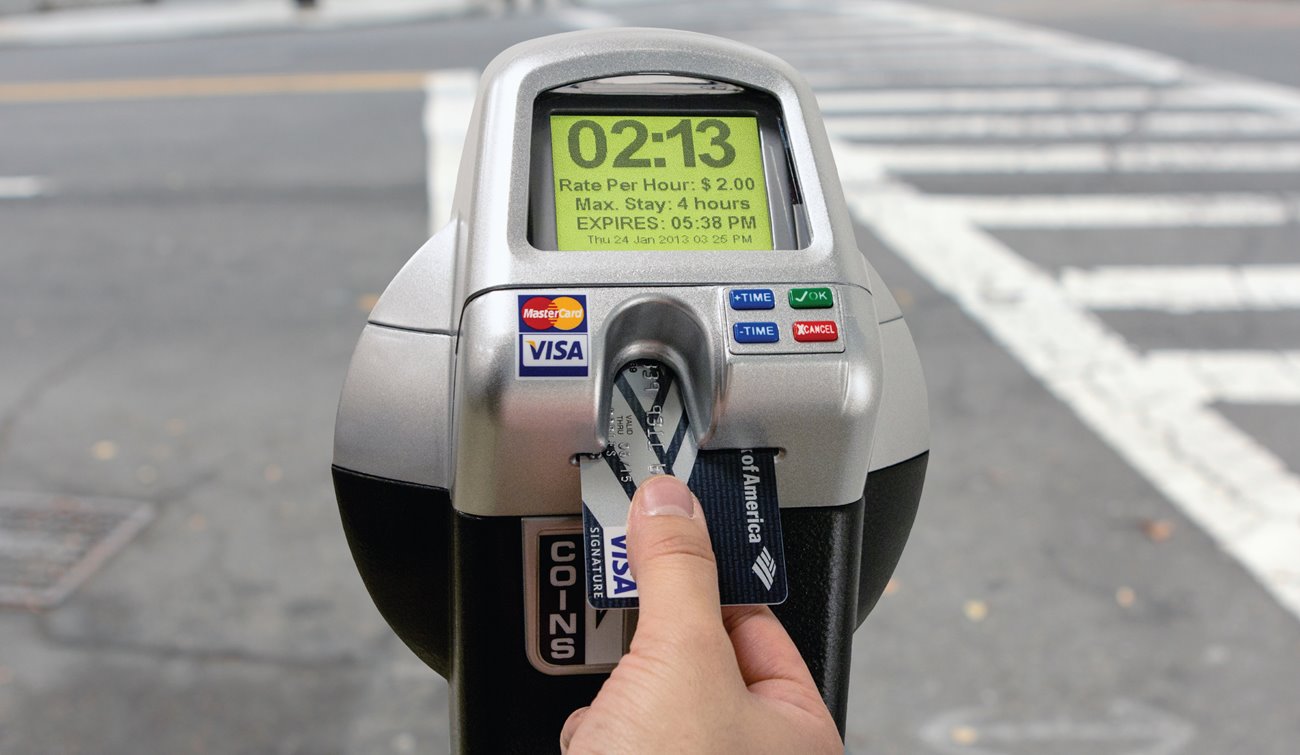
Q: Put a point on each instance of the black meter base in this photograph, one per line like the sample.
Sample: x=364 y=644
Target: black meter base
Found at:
x=429 y=548
x=400 y=537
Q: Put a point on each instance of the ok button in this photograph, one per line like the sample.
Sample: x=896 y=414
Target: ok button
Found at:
x=811 y=298
x=755 y=332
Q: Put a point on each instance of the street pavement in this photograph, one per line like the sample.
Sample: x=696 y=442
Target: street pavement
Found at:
x=1094 y=245
x=1249 y=37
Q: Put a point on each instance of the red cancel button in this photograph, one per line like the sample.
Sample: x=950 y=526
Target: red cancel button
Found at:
x=816 y=330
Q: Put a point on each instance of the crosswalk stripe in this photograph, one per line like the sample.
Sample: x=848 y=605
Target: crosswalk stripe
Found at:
x=962 y=77
x=449 y=100
x=1174 y=157
x=813 y=27
x=1242 y=377
x=1018 y=99
x=1060 y=126
x=23 y=187
x=1199 y=288
x=1154 y=413
x=1125 y=210
x=925 y=59
x=830 y=46
x=1138 y=63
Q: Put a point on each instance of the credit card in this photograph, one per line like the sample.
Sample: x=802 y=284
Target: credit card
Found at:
x=649 y=434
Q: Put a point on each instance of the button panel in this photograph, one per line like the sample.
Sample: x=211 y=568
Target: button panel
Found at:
x=782 y=324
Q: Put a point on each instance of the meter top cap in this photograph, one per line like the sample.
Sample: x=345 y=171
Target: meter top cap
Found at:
x=566 y=124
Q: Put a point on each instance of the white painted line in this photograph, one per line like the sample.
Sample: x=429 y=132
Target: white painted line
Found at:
x=23 y=187
x=1125 y=210
x=1020 y=99
x=816 y=27
x=1173 y=157
x=829 y=45
x=1203 y=288
x=582 y=18
x=1242 y=377
x=1060 y=126
x=1154 y=413
x=925 y=59
x=1130 y=61
x=448 y=105
x=1229 y=124
x=968 y=77
x=1144 y=65
x=1265 y=96
x=1212 y=92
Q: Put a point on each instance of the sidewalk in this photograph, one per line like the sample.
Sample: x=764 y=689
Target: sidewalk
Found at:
x=171 y=20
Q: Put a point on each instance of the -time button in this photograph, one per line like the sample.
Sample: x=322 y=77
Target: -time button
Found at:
x=755 y=332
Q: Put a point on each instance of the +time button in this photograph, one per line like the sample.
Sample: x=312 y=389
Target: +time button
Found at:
x=752 y=298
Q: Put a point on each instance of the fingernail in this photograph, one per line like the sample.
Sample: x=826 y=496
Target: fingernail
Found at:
x=666 y=496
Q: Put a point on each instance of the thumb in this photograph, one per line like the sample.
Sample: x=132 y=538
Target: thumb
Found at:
x=672 y=559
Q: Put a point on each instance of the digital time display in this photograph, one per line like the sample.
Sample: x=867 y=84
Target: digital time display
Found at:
x=659 y=182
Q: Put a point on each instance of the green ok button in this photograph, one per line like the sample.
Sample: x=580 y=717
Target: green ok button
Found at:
x=811 y=298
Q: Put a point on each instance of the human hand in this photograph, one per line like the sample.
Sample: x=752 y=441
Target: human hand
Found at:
x=697 y=679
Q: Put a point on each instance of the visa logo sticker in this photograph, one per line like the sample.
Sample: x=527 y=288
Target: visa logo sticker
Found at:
x=619 y=583
x=553 y=340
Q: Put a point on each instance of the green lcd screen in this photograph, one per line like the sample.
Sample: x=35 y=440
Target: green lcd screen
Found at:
x=659 y=182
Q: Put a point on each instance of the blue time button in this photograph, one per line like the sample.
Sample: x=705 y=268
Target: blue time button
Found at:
x=752 y=298
x=755 y=332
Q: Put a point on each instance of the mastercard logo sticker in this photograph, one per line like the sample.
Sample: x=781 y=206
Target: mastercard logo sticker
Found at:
x=553 y=314
x=553 y=340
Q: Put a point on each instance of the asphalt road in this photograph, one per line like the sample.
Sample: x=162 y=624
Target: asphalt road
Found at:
x=1249 y=37
x=180 y=297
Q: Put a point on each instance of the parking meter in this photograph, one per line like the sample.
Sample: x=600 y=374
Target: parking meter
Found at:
x=625 y=197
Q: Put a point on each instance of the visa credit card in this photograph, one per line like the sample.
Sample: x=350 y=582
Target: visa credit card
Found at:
x=649 y=434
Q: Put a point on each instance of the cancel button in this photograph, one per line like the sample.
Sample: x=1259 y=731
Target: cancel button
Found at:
x=816 y=330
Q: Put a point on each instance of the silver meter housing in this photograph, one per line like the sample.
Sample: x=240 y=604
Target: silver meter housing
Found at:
x=447 y=453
